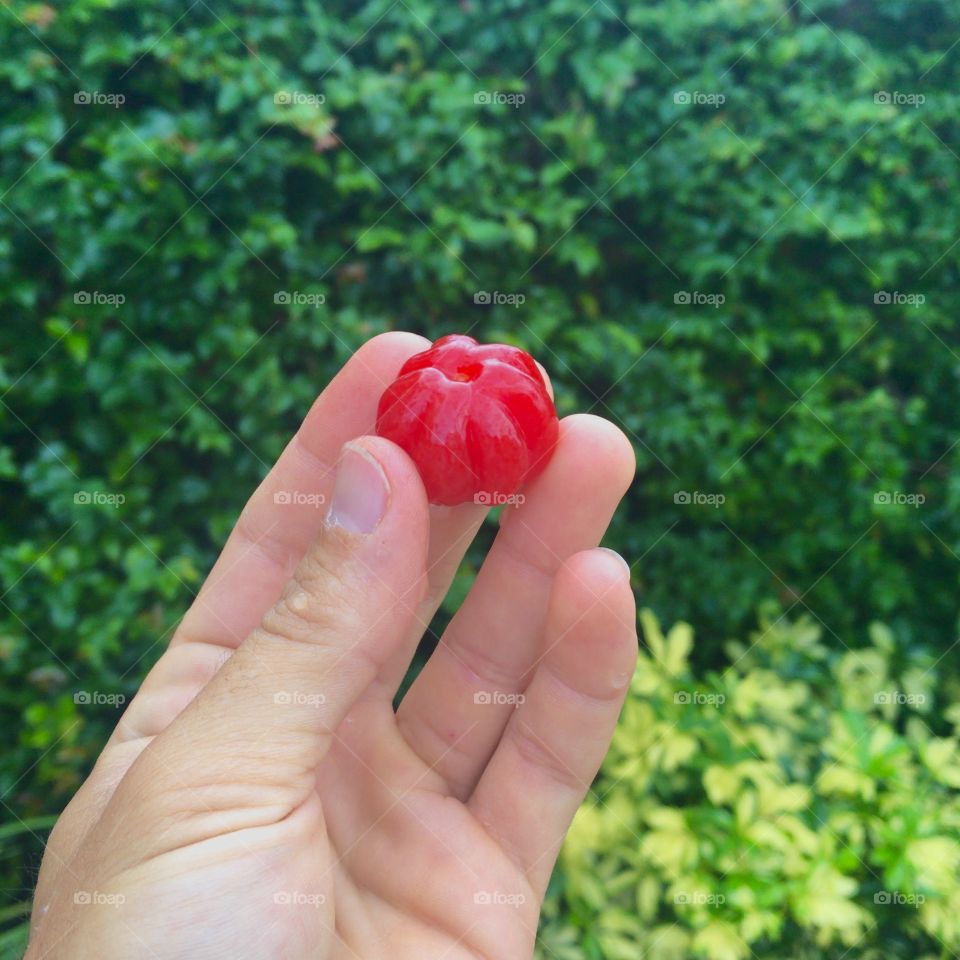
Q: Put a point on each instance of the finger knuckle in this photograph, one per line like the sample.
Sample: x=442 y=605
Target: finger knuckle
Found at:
x=540 y=756
x=318 y=600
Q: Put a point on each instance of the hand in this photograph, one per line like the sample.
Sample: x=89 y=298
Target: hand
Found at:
x=262 y=798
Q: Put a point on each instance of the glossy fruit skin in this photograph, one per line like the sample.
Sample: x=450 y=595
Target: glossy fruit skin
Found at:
x=475 y=418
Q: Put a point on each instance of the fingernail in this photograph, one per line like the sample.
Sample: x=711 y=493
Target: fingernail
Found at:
x=613 y=553
x=360 y=491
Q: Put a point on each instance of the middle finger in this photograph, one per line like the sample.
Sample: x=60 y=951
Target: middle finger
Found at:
x=457 y=708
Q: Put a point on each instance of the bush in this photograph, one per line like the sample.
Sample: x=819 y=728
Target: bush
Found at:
x=735 y=281
x=798 y=803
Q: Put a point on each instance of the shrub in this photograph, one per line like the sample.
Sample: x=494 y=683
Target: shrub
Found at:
x=799 y=802
x=621 y=198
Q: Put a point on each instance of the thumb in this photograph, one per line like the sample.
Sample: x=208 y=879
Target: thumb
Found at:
x=269 y=715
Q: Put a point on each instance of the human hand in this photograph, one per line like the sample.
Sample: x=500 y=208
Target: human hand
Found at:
x=262 y=798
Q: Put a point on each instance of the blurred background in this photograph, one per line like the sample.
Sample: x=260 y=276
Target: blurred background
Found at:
x=729 y=226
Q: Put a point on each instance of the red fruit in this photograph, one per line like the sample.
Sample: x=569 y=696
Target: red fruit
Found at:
x=475 y=418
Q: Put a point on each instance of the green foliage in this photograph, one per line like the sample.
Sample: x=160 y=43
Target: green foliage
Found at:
x=14 y=836
x=797 y=803
x=380 y=183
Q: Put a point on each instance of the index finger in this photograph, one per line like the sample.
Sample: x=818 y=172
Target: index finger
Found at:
x=286 y=512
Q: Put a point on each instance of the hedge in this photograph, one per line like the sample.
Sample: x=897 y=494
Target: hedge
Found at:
x=728 y=226
x=799 y=803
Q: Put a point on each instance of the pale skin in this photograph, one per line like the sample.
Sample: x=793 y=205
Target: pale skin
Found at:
x=262 y=798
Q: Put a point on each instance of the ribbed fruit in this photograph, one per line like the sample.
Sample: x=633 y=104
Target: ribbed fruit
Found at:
x=475 y=418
